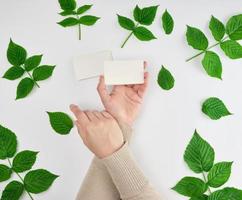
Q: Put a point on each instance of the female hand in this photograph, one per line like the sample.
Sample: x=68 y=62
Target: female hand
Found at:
x=99 y=131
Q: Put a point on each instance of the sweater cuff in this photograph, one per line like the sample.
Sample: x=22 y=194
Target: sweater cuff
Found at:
x=126 y=130
x=127 y=176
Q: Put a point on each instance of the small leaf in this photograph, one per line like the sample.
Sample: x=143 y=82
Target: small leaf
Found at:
x=60 y=122
x=38 y=181
x=24 y=161
x=217 y=28
x=13 y=73
x=5 y=173
x=13 y=191
x=215 y=108
x=199 y=155
x=43 y=72
x=70 y=21
x=8 y=143
x=67 y=5
x=232 y=49
x=67 y=13
x=167 y=22
x=32 y=62
x=83 y=9
x=202 y=197
x=16 y=54
x=146 y=15
x=226 y=194
x=196 y=38
x=234 y=27
x=212 y=64
x=126 y=23
x=190 y=186
x=25 y=86
x=88 y=20
x=165 y=79
x=143 y=34
x=219 y=174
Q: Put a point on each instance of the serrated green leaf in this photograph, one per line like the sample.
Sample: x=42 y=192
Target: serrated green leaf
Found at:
x=67 y=5
x=191 y=187
x=199 y=155
x=13 y=191
x=215 y=108
x=212 y=64
x=38 y=181
x=232 y=49
x=43 y=72
x=165 y=79
x=67 y=13
x=24 y=161
x=83 y=9
x=5 y=173
x=234 y=27
x=13 y=73
x=226 y=194
x=25 y=86
x=196 y=38
x=219 y=174
x=60 y=122
x=16 y=54
x=202 y=197
x=217 y=28
x=8 y=143
x=167 y=22
x=32 y=62
x=88 y=20
x=70 y=21
x=146 y=15
x=126 y=23
x=143 y=34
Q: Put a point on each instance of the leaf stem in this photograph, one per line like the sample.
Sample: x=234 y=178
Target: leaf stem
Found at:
x=126 y=40
x=33 y=79
x=205 y=180
x=79 y=28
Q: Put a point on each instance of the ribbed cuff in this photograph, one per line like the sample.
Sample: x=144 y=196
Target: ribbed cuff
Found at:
x=126 y=130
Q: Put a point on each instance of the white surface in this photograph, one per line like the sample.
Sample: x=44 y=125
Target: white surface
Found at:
x=90 y=65
x=167 y=120
x=124 y=72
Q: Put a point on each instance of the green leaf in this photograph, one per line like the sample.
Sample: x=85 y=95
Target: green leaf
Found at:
x=60 y=122
x=217 y=28
x=215 y=108
x=126 y=23
x=70 y=21
x=38 y=181
x=25 y=86
x=167 y=22
x=83 y=9
x=67 y=5
x=8 y=143
x=219 y=174
x=24 y=161
x=13 y=191
x=165 y=79
x=43 y=72
x=5 y=173
x=16 y=54
x=196 y=38
x=234 y=27
x=202 y=197
x=212 y=64
x=226 y=194
x=13 y=73
x=143 y=34
x=232 y=49
x=67 y=13
x=32 y=62
x=88 y=20
x=146 y=15
x=199 y=155
x=191 y=187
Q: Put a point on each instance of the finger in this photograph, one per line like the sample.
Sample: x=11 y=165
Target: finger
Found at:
x=91 y=116
x=138 y=86
x=98 y=114
x=79 y=114
x=80 y=129
x=102 y=90
x=141 y=91
x=145 y=65
x=106 y=114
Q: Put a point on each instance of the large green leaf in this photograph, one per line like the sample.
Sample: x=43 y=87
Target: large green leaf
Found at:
x=70 y=21
x=25 y=86
x=234 y=27
x=67 y=5
x=16 y=54
x=88 y=20
x=83 y=9
x=38 y=181
x=165 y=79
x=67 y=13
x=13 y=191
x=8 y=143
x=217 y=28
x=215 y=108
x=196 y=38
x=146 y=15
x=199 y=155
x=167 y=22
x=32 y=62
x=5 y=173
x=143 y=34
x=232 y=49
x=191 y=187
x=13 y=73
x=126 y=23
x=226 y=194
x=212 y=64
x=219 y=174
x=43 y=72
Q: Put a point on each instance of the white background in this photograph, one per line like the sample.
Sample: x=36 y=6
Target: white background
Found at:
x=167 y=120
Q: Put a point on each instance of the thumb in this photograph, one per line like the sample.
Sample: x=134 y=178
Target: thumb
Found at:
x=102 y=91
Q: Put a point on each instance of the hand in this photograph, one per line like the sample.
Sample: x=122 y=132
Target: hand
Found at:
x=124 y=102
x=99 y=131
